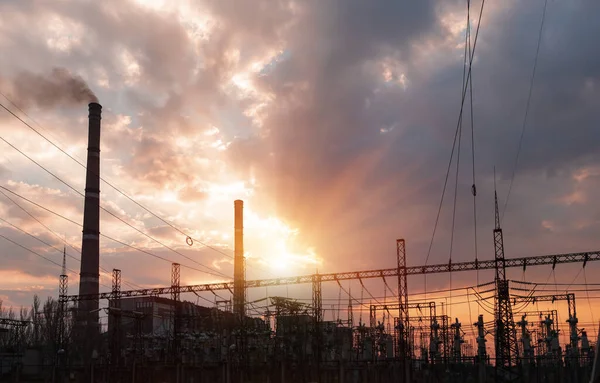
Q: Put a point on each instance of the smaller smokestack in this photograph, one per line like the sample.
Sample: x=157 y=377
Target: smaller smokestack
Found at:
x=239 y=267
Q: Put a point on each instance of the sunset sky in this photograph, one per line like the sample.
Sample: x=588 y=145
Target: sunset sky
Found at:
x=333 y=120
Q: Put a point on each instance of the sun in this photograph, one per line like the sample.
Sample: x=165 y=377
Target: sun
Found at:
x=274 y=245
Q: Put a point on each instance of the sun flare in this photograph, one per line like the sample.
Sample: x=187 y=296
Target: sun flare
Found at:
x=274 y=245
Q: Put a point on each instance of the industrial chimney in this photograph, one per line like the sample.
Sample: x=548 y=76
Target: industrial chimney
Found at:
x=239 y=268
x=90 y=246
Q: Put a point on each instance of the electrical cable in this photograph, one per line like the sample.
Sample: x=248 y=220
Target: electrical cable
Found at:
x=131 y=284
x=98 y=175
x=470 y=315
x=106 y=210
x=560 y=284
x=40 y=222
x=464 y=93
x=463 y=86
x=473 y=186
x=201 y=297
x=523 y=127
x=368 y=292
x=555 y=291
x=573 y=281
x=350 y=295
x=388 y=287
x=587 y=292
x=40 y=255
x=36 y=253
x=48 y=244
x=106 y=236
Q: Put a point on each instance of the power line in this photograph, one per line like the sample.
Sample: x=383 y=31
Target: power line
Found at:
x=553 y=284
x=192 y=239
x=109 y=212
x=537 y=52
x=34 y=252
x=464 y=93
x=133 y=285
x=589 y=304
x=98 y=175
x=473 y=186
x=40 y=222
x=39 y=255
x=39 y=239
x=164 y=245
x=106 y=236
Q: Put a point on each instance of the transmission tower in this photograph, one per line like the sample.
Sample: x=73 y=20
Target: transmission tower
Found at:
x=63 y=290
x=175 y=297
x=506 y=337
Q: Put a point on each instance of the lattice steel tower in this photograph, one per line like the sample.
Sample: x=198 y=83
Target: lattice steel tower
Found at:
x=506 y=336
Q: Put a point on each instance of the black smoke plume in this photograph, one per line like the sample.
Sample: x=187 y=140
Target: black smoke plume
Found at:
x=59 y=87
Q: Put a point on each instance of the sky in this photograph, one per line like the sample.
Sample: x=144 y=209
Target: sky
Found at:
x=333 y=121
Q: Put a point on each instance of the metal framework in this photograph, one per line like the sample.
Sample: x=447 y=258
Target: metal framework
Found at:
x=63 y=291
x=304 y=279
x=569 y=297
x=175 y=296
x=317 y=302
x=115 y=316
x=391 y=307
x=506 y=336
x=403 y=320
x=572 y=320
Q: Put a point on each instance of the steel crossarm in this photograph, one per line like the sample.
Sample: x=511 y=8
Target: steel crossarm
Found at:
x=392 y=272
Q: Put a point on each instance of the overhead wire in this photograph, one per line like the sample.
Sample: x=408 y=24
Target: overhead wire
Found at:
x=573 y=281
x=527 y=106
x=98 y=175
x=112 y=214
x=590 y=305
x=39 y=255
x=463 y=86
x=106 y=236
x=473 y=186
x=131 y=284
x=368 y=292
x=192 y=239
x=552 y=284
x=464 y=93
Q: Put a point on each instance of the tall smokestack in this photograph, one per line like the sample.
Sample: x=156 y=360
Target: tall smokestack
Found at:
x=239 y=269
x=89 y=276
